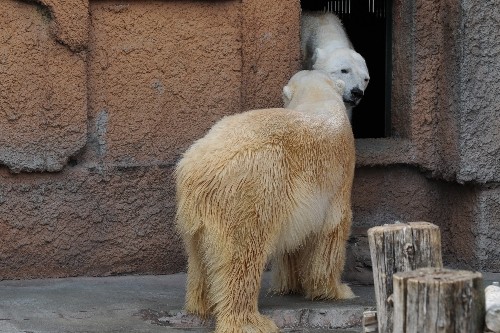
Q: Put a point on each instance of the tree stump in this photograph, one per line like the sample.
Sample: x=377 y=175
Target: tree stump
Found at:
x=400 y=247
x=438 y=300
x=492 y=294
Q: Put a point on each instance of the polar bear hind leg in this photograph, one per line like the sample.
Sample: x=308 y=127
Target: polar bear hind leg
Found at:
x=196 y=287
x=234 y=280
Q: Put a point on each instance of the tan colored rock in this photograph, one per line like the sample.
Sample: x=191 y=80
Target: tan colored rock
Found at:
x=270 y=50
x=87 y=222
x=161 y=73
x=43 y=95
x=70 y=22
x=156 y=75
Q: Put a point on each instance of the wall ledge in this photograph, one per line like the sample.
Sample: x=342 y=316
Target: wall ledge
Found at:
x=385 y=151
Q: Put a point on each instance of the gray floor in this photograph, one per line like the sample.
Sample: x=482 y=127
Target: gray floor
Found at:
x=152 y=304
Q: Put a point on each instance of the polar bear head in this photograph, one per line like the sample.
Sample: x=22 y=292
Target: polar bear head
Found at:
x=347 y=65
x=311 y=87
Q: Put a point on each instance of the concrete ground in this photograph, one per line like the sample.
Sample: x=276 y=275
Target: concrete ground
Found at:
x=153 y=304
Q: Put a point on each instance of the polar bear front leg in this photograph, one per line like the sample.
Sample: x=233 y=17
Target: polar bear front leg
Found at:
x=285 y=273
x=321 y=271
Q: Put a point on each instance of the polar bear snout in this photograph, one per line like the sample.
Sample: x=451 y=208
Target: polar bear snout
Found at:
x=354 y=96
x=357 y=93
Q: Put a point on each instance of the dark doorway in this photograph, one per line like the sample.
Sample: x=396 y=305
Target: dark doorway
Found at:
x=368 y=24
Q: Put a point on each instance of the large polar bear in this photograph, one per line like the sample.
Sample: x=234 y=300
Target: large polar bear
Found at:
x=272 y=183
x=325 y=46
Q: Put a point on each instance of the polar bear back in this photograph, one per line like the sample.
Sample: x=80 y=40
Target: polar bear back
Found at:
x=287 y=130
x=248 y=160
x=320 y=29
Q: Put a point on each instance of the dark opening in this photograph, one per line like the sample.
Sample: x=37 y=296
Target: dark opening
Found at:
x=368 y=25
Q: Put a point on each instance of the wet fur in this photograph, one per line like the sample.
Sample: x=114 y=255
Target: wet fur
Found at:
x=272 y=183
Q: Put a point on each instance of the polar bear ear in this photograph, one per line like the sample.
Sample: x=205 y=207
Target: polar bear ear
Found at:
x=287 y=95
x=340 y=85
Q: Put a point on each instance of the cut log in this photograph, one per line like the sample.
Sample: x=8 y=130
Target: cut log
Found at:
x=400 y=247
x=438 y=300
x=492 y=295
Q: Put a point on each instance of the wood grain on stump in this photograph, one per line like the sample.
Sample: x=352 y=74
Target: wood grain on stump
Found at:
x=400 y=247
x=438 y=300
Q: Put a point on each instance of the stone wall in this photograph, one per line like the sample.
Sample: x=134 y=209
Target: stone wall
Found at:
x=98 y=100
x=443 y=162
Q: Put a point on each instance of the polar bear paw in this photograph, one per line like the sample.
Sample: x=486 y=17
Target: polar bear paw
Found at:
x=344 y=292
x=256 y=323
x=340 y=291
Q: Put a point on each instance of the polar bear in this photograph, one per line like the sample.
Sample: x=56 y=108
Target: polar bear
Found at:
x=271 y=183
x=325 y=46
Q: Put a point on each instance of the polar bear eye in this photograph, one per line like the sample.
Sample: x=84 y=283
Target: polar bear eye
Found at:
x=344 y=71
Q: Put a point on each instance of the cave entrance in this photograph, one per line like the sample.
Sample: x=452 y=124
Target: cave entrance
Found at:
x=369 y=26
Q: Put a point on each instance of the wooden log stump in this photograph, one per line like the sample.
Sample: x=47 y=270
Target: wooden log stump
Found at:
x=492 y=294
x=438 y=300
x=400 y=247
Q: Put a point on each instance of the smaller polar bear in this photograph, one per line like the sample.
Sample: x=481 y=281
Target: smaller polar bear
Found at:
x=271 y=183
x=325 y=46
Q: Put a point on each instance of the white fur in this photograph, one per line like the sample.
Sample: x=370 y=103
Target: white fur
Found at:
x=270 y=183
x=326 y=46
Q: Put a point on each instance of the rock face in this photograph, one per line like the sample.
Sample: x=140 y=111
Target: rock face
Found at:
x=98 y=100
x=43 y=95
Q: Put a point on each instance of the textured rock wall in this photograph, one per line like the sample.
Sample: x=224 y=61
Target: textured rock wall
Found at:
x=101 y=99
x=43 y=95
x=446 y=62
x=160 y=74
x=446 y=65
x=83 y=222
x=388 y=194
x=98 y=100
x=270 y=40
x=479 y=138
